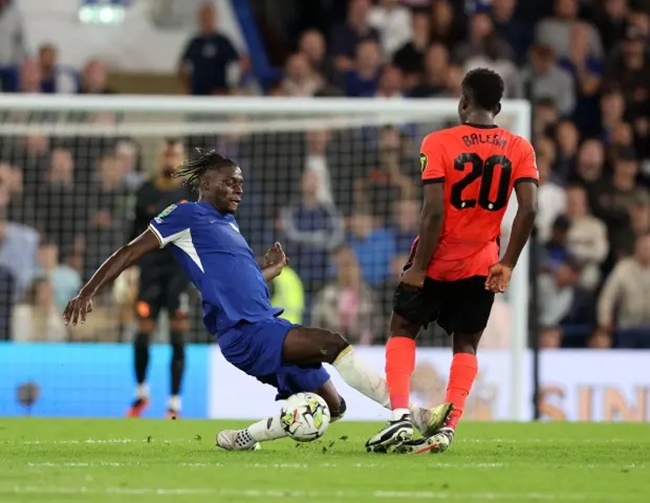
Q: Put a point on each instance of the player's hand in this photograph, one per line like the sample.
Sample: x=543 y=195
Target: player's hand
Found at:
x=414 y=277
x=275 y=256
x=498 y=278
x=77 y=309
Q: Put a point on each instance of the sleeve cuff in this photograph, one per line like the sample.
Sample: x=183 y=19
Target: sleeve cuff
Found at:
x=527 y=179
x=429 y=181
x=158 y=235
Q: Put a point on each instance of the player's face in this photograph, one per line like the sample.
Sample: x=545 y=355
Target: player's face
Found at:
x=225 y=188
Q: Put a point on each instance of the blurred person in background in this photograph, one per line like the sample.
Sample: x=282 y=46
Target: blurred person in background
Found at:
x=393 y=22
x=545 y=79
x=436 y=65
x=312 y=45
x=555 y=31
x=587 y=237
x=567 y=139
x=208 y=59
x=29 y=77
x=345 y=38
x=557 y=292
x=447 y=27
x=93 y=78
x=409 y=58
x=391 y=83
x=54 y=77
x=288 y=293
x=511 y=28
x=163 y=284
x=623 y=304
x=37 y=317
x=386 y=290
x=373 y=245
x=545 y=115
x=589 y=169
x=611 y=20
x=612 y=112
x=300 y=78
x=480 y=31
x=347 y=304
x=363 y=78
x=18 y=247
x=623 y=237
x=7 y=301
x=406 y=224
x=52 y=265
x=13 y=46
x=555 y=250
x=128 y=163
x=311 y=228
x=551 y=195
x=19 y=206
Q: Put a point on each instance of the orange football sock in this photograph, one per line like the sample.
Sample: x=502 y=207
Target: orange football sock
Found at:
x=464 y=368
x=400 y=362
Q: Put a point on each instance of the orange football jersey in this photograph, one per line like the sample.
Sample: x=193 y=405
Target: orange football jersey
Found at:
x=479 y=166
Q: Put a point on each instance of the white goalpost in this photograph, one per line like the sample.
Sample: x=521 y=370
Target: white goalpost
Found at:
x=75 y=162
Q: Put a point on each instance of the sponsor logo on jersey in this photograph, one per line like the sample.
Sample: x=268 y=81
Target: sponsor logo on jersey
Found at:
x=164 y=213
x=423 y=162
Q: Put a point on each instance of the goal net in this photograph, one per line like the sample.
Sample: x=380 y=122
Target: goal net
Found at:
x=335 y=180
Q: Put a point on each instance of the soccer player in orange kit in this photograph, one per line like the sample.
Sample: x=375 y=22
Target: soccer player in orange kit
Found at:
x=454 y=271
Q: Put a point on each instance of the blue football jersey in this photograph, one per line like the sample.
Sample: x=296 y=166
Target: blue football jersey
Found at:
x=219 y=262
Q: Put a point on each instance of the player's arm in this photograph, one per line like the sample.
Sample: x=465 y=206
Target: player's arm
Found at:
x=122 y=259
x=522 y=225
x=431 y=218
x=274 y=261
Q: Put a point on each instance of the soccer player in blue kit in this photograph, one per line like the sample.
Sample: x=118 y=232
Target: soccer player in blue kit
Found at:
x=206 y=241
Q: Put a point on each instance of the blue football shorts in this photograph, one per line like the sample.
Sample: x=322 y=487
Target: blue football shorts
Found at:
x=256 y=348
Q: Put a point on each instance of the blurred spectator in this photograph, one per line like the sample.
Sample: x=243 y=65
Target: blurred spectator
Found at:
x=65 y=280
x=59 y=201
x=557 y=292
x=18 y=246
x=300 y=77
x=481 y=30
x=208 y=58
x=544 y=79
x=589 y=168
x=623 y=303
x=551 y=195
x=363 y=78
x=29 y=77
x=436 y=64
x=623 y=237
x=555 y=249
x=567 y=139
x=550 y=337
x=393 y=22
x=407 y=222
x=555 y=31
x=545 y=115
x=93 y=79
x=287 y=292
x=586 y=70
x=127 y=159
x=511 y=28
x=55 y=78
x=345 y=38
x=312 y=45
x=37 y=317
x=311 y=228
x=18 y=206
x=409 y=58
x=491 y=57
x=348 y=305
x=629 y=69
x=374 y=246
x=7 y=301
x=587 y=237
x=316 y=144
x=454 y=81
x=611 y=21
x=387 y=288
x=390 y=83
x=108 y=214
x=446 y=28
x=12 y=34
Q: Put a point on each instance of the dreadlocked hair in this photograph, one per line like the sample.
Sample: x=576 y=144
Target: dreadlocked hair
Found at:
x=195 y=167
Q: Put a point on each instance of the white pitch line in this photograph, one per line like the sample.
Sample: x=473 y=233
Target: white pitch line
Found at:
x=292 y=493
x=284 y=466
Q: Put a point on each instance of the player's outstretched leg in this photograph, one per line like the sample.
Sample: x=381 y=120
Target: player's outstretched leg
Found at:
x=179 y=327
x=249 y=438
x=141 y=343
x=462 y=373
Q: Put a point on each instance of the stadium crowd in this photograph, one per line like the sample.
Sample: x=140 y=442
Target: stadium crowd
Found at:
x=585 y=67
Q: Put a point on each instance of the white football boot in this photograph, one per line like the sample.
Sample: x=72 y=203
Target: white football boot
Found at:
x=236 y=440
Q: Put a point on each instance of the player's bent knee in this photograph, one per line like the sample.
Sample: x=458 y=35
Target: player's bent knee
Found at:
x=334 y=344
x=401 y=327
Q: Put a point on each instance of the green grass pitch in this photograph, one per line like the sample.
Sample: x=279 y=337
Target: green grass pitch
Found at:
x=139 y=460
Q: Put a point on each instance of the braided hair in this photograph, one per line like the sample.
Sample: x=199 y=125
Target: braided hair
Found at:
x=194 y=168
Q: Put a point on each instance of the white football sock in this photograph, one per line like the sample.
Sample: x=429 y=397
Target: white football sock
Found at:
x=174 y=403
x=267 y=429
x=398 y=414
x=142 y=391
x=362 y=376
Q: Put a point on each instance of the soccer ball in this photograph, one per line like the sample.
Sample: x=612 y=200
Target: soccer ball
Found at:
x=305 y=417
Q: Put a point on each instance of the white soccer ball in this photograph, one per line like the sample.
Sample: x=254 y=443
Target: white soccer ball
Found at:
x=305 y=417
